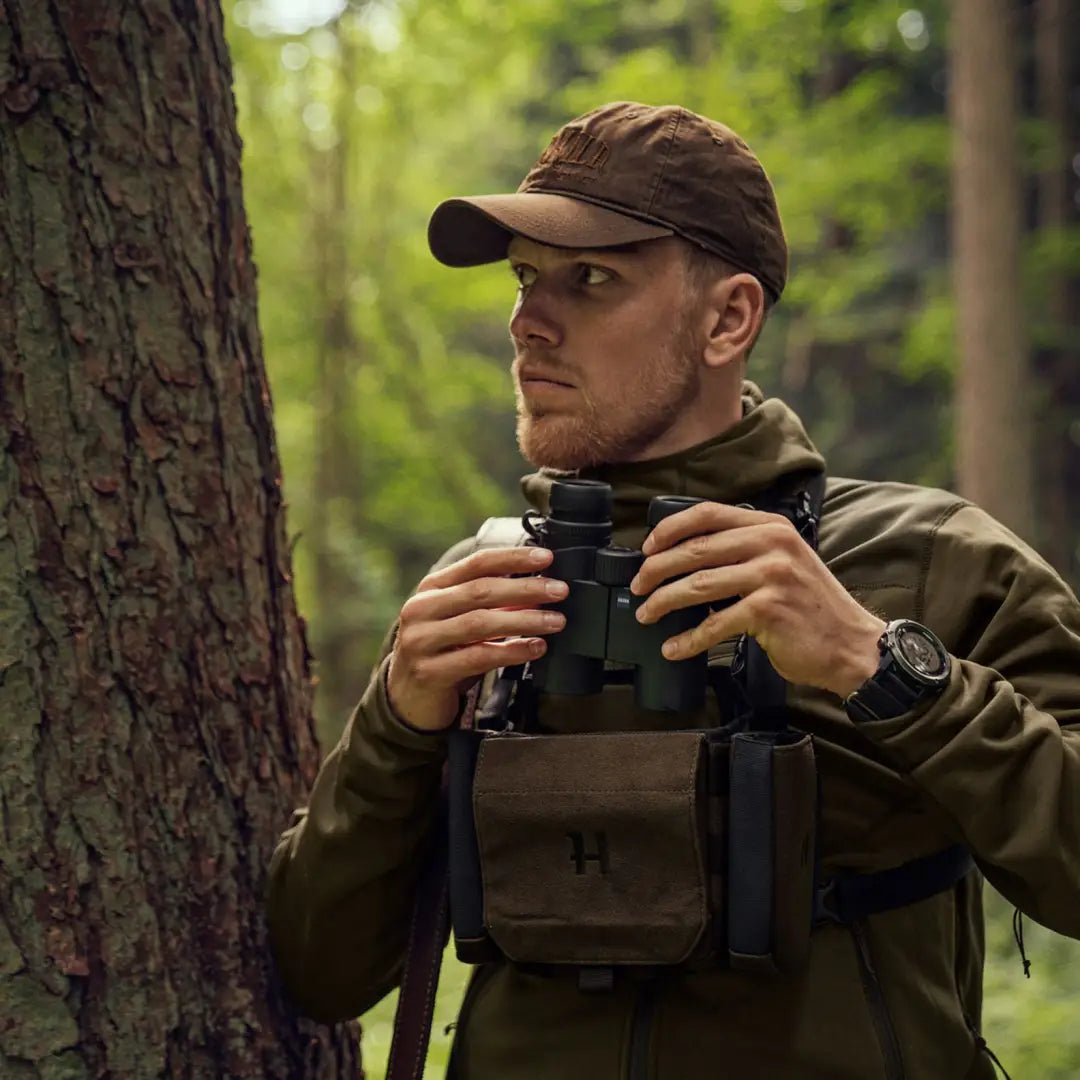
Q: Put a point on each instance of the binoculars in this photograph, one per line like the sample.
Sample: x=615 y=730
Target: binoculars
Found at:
x=600 y=609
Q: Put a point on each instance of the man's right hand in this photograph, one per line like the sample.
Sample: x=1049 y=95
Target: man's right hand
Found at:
x=466 y=620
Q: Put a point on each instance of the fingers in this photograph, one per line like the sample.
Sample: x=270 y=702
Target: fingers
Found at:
x=718 y=626
x=425 y=688
x=485 y=624
x=484 y=592
x=471 y=617
x=495 y=562
x=431 y=672
x=706 y=517
x=719 y=549
x=706 y=587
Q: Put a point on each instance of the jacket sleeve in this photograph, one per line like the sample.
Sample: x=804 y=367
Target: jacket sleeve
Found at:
x=342 y=878
x=999 y=751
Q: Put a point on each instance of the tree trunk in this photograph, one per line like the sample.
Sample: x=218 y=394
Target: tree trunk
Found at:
x=339 y=637
x=994 y=423
x=155 y=696
x=1059 y=355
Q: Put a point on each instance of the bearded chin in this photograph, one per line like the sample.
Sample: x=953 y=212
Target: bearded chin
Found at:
x=557 y=442
x=606 y=434
x=573 y=442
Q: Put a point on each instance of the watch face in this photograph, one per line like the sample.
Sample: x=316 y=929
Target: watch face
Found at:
x=921 y=653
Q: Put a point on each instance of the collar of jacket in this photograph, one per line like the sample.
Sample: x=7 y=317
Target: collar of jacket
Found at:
x=768 y=444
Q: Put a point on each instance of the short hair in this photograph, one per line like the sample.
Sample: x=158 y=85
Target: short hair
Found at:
x=703 y=267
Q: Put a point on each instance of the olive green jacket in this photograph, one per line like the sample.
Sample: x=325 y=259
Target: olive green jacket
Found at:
x=994 y=763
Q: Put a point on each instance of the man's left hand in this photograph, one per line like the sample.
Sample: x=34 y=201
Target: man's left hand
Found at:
x=814 y=632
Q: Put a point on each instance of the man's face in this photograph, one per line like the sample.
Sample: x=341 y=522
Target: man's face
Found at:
x=606 y=353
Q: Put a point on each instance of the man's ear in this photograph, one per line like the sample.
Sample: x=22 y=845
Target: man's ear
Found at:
x=736 y=312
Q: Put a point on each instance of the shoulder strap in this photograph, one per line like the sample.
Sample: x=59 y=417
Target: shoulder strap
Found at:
x=429 y=930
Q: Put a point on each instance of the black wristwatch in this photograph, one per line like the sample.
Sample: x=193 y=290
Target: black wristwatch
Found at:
x=914 y=667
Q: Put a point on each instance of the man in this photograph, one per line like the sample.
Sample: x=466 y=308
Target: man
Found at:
x=648 y=250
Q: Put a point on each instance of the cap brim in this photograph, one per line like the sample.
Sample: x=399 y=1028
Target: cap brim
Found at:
x=478 y=229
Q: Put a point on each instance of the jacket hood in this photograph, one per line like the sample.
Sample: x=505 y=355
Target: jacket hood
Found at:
x=769 y=443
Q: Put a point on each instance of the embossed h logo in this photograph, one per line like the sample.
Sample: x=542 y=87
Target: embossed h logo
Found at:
x=579 y=856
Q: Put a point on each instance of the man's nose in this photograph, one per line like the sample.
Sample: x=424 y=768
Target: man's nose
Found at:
x=533 y=322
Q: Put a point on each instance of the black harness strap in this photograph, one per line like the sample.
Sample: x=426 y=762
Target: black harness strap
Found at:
x=751 y=797
x=750 y=847
x=848 y=897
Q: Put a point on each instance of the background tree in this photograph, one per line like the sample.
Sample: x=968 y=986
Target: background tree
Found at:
x=995 y=420
x=155 y=701
x=337 y=507
x=1052 y=271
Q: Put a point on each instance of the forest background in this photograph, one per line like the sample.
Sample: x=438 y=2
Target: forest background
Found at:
x=389 y=373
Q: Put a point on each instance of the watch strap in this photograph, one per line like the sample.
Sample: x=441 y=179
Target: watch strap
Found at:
x=884 y=695
x=890 y=691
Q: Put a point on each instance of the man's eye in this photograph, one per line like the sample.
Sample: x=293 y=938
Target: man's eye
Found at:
x=593 y=275
x=525 y=274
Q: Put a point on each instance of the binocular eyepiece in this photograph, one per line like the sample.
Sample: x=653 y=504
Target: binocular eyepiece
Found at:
x=600 y=609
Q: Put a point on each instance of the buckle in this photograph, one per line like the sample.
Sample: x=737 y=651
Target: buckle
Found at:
x=805 y=522
x=825 y=910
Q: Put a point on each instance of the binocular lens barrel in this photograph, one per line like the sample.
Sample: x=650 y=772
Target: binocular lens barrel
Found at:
x=580 y=514
x=663 y=506
x=581 y=500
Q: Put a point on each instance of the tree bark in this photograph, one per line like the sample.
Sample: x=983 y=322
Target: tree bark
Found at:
x=994 y=424
x=155 y=696
x=1059 y=356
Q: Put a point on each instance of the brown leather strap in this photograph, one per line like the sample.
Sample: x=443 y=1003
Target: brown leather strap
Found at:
x=429 y=930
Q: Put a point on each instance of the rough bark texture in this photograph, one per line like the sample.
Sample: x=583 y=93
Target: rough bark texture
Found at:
x=155 y=698
x=994 y=421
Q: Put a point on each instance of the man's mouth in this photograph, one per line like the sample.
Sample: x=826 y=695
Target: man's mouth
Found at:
x=541 y=378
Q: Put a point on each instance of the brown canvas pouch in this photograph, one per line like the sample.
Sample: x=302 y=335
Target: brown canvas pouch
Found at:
x=593 y=846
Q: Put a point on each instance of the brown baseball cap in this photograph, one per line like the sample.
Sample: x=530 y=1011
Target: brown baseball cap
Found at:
x=627 y=172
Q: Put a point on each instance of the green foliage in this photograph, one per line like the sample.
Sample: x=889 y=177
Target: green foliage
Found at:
x=390 y=372
x=1031 y=1023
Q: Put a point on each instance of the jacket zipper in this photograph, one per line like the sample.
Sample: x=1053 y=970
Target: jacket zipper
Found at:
x=879 y=1012
x=641 y=1024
